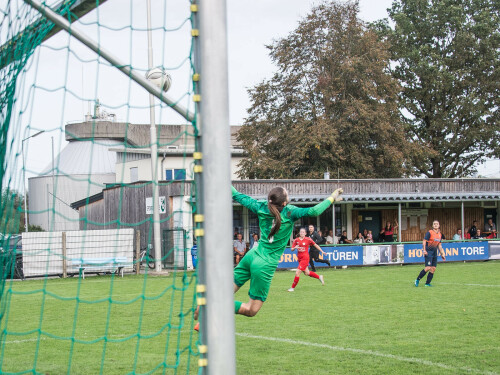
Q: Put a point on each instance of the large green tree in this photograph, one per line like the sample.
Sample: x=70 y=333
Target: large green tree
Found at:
x=446 y=56
x=331 y=105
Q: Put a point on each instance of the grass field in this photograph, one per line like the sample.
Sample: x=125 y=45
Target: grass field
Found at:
x=364 y=320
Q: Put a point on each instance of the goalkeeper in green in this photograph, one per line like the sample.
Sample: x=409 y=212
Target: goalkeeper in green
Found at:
x=276 y=219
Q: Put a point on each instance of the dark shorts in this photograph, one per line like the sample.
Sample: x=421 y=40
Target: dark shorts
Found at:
x=314 y=254
x=431 y=258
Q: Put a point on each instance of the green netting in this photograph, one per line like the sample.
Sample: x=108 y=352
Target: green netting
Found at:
x=75 y=154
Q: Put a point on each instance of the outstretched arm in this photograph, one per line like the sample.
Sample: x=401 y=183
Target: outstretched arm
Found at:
x=318 y=209
x=249 y=202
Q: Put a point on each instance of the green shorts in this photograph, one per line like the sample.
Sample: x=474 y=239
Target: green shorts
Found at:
x=260 y=273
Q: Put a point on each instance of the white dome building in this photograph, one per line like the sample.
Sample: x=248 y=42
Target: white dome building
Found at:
x=83 y=168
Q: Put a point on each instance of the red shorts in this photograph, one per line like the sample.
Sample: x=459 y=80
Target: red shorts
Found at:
x=303 y=260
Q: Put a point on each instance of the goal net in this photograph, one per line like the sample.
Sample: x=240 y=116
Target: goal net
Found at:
x=98 y=178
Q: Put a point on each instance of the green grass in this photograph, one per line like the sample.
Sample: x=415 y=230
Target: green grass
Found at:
x=364 y=320
x=105 y=322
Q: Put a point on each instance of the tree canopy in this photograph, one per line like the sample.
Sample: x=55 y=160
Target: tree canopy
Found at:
x=331 y=105
x=446 y=57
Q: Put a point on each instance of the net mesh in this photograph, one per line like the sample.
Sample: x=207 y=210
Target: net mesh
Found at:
x=79 y=292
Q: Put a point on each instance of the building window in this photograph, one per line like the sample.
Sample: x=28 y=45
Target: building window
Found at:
x=134 y=174
x=175 y=174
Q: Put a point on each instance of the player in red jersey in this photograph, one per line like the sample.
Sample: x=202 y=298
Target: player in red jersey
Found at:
x=302 y=244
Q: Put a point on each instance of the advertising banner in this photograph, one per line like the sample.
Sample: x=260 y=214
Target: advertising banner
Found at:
x=454 y=251
x=338 y=256
x=494 y=249
x=383 y=254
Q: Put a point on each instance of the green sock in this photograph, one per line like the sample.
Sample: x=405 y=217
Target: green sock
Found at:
x=237 y=305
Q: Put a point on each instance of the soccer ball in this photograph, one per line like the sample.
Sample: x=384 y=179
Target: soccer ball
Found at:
x=160 y=78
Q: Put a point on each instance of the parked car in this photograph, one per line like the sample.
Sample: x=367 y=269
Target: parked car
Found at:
x=11 y=256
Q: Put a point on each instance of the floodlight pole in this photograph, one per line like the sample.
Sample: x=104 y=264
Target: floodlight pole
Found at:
x=216 y=263
x=24 y=179
x=154 y=153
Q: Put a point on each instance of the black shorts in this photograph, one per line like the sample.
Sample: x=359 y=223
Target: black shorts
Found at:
x=431 y=258
x=313 y=254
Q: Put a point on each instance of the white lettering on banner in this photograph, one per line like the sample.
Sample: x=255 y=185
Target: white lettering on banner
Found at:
x=341 y=255
x=475 y=250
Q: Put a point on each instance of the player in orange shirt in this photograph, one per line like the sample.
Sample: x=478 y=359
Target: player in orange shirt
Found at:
x=431 y=246
x=302 y=244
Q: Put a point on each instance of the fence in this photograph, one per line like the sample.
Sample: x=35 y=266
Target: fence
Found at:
x=50 y=253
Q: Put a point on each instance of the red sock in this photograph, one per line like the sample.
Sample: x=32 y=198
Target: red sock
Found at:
x=295 y=281
x=314 y=275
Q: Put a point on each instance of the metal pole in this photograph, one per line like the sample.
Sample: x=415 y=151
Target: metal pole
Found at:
x=399 y=222
x=64 y=255
x=53 y=189
x=219 y=329
x=198 y=217
x=333 y=221
x=25 y=191
x=24 y=179
x=106 y=55
x=462 y=218
x=154 y=153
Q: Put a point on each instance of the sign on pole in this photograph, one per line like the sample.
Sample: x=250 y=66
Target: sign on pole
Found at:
x=162 y=205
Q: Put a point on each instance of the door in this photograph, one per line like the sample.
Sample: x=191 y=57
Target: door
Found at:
x=370 y=220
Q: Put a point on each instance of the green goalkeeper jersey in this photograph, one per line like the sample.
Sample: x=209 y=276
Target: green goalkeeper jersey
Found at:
x=272 y=248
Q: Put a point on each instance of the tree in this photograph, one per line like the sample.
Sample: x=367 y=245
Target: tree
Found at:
x=446 y=55
x=11 y=211
x=331 y=105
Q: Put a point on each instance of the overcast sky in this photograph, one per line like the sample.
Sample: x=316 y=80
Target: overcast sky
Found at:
x=73 y=78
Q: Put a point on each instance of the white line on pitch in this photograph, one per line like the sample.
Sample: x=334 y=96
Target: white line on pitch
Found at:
x=367 y=352
x=485 y=285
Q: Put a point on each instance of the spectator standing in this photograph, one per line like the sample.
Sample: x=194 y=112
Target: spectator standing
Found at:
x=458 y=236
x=491 y=228
x=387 y=233
x=240 y=248
x=473 y=229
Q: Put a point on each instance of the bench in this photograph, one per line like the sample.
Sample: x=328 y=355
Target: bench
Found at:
x=99 y=264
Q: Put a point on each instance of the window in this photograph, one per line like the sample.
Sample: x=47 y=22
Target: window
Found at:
x=175 y=174
x=134 y=174
x=237 y=220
